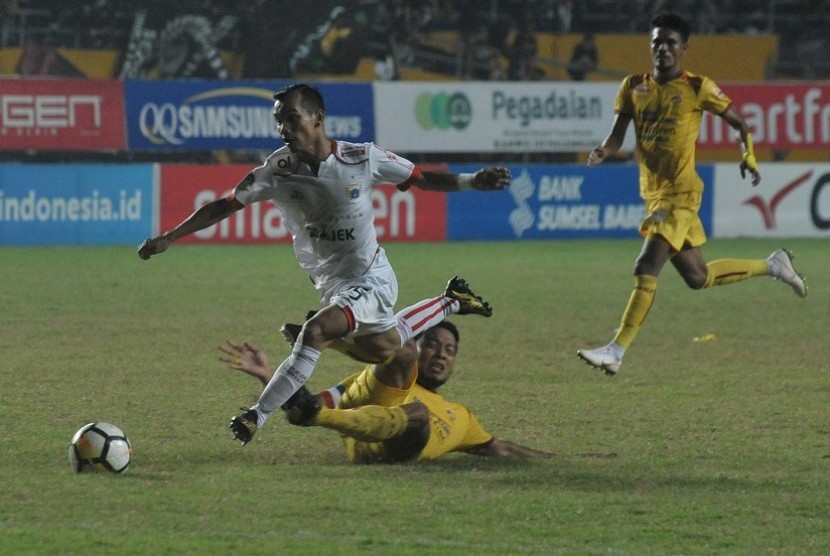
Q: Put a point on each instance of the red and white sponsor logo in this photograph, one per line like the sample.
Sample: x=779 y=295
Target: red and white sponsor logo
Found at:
x=792 y=200
x=411 y=215
x=61 y=114
x=780 y=116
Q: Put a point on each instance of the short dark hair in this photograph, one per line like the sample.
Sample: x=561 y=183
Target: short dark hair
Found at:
x=673 y=22
x=310 y=97
x=446 y=325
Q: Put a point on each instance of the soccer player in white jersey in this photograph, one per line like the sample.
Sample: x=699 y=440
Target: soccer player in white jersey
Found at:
x=322 y=188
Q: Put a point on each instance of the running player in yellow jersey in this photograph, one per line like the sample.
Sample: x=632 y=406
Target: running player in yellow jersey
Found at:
x=666 y=107
x=391 y=412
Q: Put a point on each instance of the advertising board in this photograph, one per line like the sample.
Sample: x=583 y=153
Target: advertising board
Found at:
x=75 y=204
x=61 y=114
x=232 y=115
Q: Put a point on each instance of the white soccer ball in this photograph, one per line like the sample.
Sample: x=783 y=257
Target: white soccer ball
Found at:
x=100 y=447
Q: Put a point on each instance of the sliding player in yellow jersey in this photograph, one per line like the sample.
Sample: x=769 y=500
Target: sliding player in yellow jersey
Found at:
x=666 y=106
x=390 y=412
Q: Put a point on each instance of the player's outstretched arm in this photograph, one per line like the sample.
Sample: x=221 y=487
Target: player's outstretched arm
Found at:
x=486 y=179
x=502 y=448
x=205 y=216
x=247 y=358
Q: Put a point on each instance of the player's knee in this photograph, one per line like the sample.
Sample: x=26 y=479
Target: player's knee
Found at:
x=312 y=334
x=418 y=416
x=695 y=280
x=645 y=268
x=381 y=347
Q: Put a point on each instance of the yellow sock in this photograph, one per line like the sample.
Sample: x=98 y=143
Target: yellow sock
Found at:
x=370 y=423
x=729 y=271
x=637 y=309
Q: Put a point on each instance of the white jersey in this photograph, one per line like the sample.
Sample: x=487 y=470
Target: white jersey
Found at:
x=330 y=216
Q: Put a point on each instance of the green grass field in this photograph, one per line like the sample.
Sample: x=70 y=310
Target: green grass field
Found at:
x=721 y=446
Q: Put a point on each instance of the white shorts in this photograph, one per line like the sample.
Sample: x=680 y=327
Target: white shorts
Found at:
x=371 y=298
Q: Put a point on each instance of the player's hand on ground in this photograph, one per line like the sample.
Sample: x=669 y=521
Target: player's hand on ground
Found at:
x=596 y=156
x=490 y=179
x=153 y=246
x=247 y=358
x=748 y=164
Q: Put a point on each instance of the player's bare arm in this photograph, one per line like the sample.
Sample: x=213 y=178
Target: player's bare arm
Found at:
x=748 y=161
x=503 y=448
x=486 y=179
x=612 y=143
x=203 y=217
x=247 y=358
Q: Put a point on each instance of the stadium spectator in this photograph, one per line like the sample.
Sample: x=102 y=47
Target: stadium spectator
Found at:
x=323 y=189
x=522 y=53
x=481 y=55
x=584 y=58
x=391 y=412
x=666 y=107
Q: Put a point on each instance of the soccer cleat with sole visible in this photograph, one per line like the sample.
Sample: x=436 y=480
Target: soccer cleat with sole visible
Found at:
x=458 y=289
x=244 y=425
x=606 y=358
x=780 y=265
x=302 y=408
x=290 y=332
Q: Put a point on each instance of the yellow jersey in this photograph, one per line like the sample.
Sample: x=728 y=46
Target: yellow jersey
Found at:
x=666 y=120
x=452 y=427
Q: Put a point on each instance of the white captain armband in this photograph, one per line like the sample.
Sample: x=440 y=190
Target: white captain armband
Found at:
x=465 y=182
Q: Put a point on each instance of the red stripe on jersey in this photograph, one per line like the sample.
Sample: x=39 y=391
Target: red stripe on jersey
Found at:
x=416 y=173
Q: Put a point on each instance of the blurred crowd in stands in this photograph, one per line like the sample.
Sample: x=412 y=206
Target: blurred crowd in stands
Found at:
x=281 y=39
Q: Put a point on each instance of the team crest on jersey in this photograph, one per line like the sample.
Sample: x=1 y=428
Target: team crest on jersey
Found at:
x=658 y=216
x=353 y=189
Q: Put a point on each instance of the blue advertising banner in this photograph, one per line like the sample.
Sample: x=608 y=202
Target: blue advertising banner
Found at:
x=75 y=204
x=232 y=115
x=557 y=202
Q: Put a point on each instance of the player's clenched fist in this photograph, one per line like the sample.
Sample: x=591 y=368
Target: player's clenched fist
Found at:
x=491 y=178
x=596 y=156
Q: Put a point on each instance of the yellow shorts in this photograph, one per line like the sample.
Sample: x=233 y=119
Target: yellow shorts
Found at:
x=374 y=392
x=675 y=219
x=366 y=389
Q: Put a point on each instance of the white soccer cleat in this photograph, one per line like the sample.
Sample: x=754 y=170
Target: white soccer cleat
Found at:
x=606 y=358
x=780 y=267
